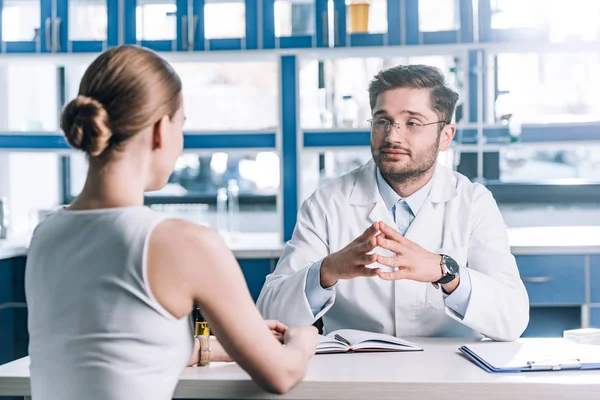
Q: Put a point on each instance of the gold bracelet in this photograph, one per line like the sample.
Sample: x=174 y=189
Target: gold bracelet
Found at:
x=204 y=351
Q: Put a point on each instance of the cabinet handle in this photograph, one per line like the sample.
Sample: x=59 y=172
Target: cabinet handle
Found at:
x=56 y=32
x=184 y=33
x=193 y=36
x=538 y=279
x=48 y=28
x=325 y=27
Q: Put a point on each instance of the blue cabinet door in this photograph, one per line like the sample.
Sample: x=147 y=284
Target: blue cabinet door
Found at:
x=27 y=26
x=288 y=24
x=6 y=335
x=595 y=317
x=595 y=278
x=160 y=25
x=552 y=321
x=211 y=14
x=6 y=278
x=365 y=28
x=553 y=279
x=87 y=25
x=255 y=272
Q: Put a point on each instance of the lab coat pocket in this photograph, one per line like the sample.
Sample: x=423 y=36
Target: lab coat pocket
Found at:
x=435 y=297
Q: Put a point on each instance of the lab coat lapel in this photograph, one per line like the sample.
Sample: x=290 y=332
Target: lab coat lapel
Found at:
x=427 y=228
x=366 y=194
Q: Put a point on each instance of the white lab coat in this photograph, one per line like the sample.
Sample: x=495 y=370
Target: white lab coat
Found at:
x=459 y=218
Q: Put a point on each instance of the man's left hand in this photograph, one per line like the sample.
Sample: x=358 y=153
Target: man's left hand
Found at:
x=413 y=261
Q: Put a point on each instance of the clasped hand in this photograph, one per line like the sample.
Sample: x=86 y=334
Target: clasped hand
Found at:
x=411 y=260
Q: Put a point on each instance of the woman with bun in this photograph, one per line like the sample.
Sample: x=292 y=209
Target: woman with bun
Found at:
x=110 y=283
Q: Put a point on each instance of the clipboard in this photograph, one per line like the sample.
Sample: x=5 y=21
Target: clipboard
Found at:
x=530 y=355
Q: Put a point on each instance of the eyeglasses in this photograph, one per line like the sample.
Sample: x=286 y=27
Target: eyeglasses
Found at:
x=384 y=125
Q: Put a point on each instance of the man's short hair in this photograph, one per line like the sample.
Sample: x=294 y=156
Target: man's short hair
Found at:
x=443 y=98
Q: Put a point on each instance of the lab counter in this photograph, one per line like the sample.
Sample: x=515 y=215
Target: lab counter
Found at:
x=523 y=241
x=438 y=372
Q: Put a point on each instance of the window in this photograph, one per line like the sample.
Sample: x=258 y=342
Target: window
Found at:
x=29 y=101
x=438 y=15
x=294 y=18
x=551 y=163
x=562 y=20
x=21 y=20
x=224 y=19
x=533 y=87
x=230 y=96
x=32 y=186
x=197 y=177
x=88 y=20
x=156 y=20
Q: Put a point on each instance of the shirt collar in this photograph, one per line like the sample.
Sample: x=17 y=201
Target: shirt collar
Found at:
x=415 y=201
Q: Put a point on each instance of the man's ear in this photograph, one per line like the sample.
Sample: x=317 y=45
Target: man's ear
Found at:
x=160 y=128
x=446 y=136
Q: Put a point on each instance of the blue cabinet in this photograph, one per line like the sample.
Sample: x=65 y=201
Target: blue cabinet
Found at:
x=553 y=279
x=86 y=26
x=26 y=26
x=14 y=337
x=288 y=24
x=255 y=271
x=595 y=317
x=595 y=279
x=59 y=26
x=6 y=335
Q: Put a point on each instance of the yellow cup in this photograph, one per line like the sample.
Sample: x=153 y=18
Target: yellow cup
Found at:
x=359 y=17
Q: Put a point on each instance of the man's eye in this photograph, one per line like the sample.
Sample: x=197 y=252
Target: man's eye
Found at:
x=413 y=124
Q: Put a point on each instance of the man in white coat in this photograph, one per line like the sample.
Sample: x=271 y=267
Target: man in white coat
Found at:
x=402 y=245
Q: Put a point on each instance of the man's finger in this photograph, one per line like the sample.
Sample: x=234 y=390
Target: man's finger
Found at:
x=390 y=245
x=368 y=245
x=368 y=259
x=369 y=232
x=394 y=275
x=391 y=233
x=366 y=271
x=396 y=262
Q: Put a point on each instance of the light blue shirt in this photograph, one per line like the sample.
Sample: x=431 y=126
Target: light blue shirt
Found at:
x=404 y=212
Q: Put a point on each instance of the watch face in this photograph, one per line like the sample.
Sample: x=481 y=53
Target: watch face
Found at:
x=451 y=264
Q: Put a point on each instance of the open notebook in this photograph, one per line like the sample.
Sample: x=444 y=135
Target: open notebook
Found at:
x=350 y=340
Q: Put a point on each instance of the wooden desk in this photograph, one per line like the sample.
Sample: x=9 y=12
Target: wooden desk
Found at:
x=438 y=372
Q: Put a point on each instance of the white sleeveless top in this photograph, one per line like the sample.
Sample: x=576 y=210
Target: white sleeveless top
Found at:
x=96 y=331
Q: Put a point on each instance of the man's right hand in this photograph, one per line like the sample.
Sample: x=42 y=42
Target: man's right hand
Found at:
x=351 y=261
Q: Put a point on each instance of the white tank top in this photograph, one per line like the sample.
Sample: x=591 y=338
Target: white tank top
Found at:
x=96 y=331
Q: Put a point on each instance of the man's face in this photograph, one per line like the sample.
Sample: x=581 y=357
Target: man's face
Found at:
x=407 y=150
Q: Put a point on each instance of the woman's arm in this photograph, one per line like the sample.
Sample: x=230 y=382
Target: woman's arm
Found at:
x=188 y=263
x=218 y=353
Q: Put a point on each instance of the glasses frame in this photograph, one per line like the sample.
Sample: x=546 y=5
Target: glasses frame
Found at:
x=396 y=124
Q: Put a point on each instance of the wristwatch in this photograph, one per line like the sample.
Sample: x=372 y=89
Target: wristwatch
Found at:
x=450 y=269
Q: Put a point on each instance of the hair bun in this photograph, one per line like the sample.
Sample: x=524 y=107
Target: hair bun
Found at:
x=85 y=123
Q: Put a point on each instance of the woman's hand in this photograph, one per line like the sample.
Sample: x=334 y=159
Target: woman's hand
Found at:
x=277 y=328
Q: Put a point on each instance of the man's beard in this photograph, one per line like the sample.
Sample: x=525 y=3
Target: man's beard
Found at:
x=418 y=166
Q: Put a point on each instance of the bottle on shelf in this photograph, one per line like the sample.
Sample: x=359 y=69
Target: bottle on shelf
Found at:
x=222 y=225
x=348 y=115
x=233 y=209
